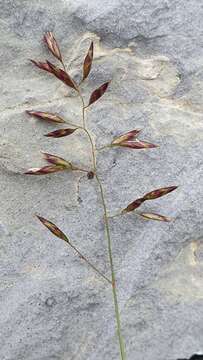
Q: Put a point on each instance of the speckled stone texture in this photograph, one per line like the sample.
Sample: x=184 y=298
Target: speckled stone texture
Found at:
x=53 y=307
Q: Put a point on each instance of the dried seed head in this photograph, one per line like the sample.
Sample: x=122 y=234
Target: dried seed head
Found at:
x=149 y=196
x=88 y=62
x=60 y=133
x=138 y=144
x=98 y=93
x=41 y=65
x=52 y=45
x=132 y=206
x=62 y=75
x=129 y=140
x=46 y=116
x=45 y=170
x=125 y=137
x=53 y=228
x=56 y=160
x=153 y=216
x=159 y=192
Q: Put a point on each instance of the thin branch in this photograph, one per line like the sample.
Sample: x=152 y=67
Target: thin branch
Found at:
x=89 y=263
x=80 y=169
x=104 y=147
x=72 y=124
x=64 y=67
x=115 y=215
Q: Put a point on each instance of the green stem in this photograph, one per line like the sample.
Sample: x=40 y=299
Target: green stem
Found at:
x=89 y=263
x=93 y=150
x=83 y=108
x=115 y=299
x=106 y=221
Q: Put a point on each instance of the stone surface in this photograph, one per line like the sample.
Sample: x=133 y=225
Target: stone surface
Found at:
x=52 y=306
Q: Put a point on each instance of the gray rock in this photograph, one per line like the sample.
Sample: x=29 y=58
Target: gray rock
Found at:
x=53 y=307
